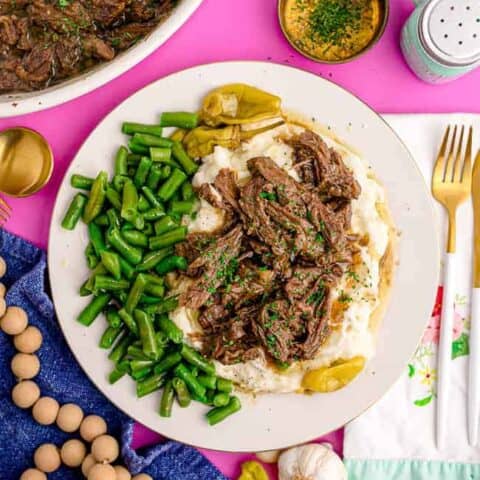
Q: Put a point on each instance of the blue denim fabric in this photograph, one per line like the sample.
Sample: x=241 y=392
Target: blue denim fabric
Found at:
x=62 y=378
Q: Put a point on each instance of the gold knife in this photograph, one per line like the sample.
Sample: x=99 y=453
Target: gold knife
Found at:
x=474 y=359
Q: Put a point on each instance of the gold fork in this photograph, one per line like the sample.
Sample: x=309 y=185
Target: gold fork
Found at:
x=451 y=186
x=5 y=212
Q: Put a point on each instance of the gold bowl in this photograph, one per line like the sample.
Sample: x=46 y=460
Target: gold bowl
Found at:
x=384 y=13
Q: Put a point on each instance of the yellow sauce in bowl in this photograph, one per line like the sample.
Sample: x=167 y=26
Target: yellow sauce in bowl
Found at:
x=332 y=30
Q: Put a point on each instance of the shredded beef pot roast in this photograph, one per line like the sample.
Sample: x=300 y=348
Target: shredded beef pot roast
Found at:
x=262 y=282
x=43 y=42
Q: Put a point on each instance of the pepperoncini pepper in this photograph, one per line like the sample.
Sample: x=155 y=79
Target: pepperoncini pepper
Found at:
x=253 y=471
x=202 y=140
x=238 y=103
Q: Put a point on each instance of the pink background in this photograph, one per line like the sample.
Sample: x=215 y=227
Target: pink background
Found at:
x=233 y=30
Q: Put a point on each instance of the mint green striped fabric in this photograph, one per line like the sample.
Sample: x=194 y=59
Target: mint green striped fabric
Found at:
x=410 y=470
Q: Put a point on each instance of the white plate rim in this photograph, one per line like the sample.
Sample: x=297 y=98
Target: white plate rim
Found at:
x=434 y=273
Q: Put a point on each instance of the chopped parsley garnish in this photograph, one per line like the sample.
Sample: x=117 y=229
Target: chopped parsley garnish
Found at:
x=319 y=238
x=316 y=297
x=63 y=3
x=272 y=196
x=344 y=298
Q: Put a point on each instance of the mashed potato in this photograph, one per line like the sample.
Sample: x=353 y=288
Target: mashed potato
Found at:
x=354 y=336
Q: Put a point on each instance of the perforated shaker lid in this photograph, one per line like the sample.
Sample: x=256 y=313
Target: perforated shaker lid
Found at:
x=451 y=30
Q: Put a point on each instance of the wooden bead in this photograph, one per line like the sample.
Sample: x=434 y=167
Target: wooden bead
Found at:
x=87 y=464
x=92 y=427
x=47 y=458
x=33 y=474
x=142 y=476
x=25 y=394
x=105 y=449
x=3 y=290
x=69 y=417
x=102 y=472
x=45 y=410
x=3 y=267
x=25 y=366
x=3 y=305
x=14 y=321
x=73 y=453
x=122 y=473
x=29 y=341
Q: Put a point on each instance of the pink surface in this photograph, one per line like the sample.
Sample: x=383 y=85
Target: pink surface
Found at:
x=233 y=30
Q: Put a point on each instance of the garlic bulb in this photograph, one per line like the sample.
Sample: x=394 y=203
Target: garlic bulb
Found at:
x=311 y=462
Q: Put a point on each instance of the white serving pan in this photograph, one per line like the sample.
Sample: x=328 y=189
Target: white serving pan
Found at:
x=21 y=103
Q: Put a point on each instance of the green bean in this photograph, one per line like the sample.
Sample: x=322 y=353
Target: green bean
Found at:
x=129 y=202
x=109 y=336
x=155 y=290
x=141 y=374
x=96 y=237
x=138 y=148
x=121 y=347
x=181 y=207
x=219 y=414
x=115 y=375
x=171 y=263
x=167 y=326
x=224 y=385
x=152 y=259
x=166 y=171
x=149 y=300
x=136 y=353
x=121 y=296
x=183 y=396
x=154 y=177
x=168 y=305
x=151 y=140
x=131 y=128
x=171 y=185
x=162 y=155
x=128 y=271
x=194 y=371
x=150 y=384
x=187 y=191
x=121 y=161
x=111 y=261
x=210 y=395
x=135 y=293
x=185 y=161
x=221 y=399
x=154 y=279
x=135 y=238
x=106 y=283
x=194 y=387
x=96 y=199
x=194 y=358
x=165 y=224
x=93 y=309
x=113 y=218
x=74 y=211
x=162 y=339
x=167 y=239
x=179 y=119
x=208 y=381
x=147 y=334
x=99 y=269
x=132 y=254
x=143 y=204
x=166 y=402
x=136 y=365
x=102 y=220
x=119 y=181
x=148 y=229
x=91 y=256
x=129 y=321
x=127 y=226
x=114 y=198
x=81 y=182
x=113 y=318
x=142 y=172
x=167 y=363
x=133 y=159
x=152 y=199
x=154 y=214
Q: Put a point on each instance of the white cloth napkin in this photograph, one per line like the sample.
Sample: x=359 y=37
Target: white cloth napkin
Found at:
x=400 y=428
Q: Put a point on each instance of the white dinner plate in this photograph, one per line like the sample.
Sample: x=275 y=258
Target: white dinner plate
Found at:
x=269 y=421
